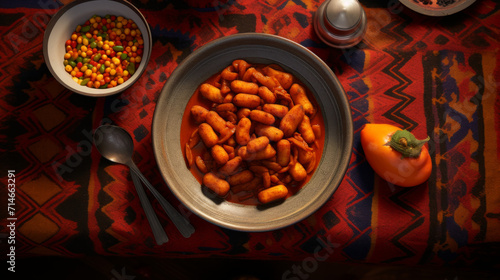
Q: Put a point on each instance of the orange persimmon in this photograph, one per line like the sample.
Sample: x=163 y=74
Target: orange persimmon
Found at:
x=396 y=155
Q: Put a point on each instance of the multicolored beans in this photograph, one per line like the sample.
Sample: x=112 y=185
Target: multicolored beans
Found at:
x=104 y=51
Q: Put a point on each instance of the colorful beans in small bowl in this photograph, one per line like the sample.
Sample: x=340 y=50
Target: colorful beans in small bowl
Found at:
x=97 y=48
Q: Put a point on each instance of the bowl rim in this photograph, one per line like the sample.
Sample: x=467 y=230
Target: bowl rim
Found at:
x=437 y=12
x=342 y=103
x=118 y=89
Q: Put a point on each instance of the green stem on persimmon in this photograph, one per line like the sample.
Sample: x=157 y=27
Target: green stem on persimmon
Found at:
x=405 y=142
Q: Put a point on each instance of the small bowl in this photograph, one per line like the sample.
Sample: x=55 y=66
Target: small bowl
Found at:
x=64 y=22
x=260 y=49
x=433 y=9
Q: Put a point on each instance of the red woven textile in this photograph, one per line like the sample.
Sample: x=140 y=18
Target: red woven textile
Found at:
x=435 y=76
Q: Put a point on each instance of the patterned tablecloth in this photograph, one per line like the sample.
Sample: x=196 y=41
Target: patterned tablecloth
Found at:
x=436 y=76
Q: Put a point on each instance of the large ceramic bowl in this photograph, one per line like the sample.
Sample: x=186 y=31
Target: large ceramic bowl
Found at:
x=265 y=49
x=64 y=22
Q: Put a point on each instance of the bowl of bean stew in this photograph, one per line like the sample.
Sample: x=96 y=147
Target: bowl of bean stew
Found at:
x=252 y=132
x=97 y=48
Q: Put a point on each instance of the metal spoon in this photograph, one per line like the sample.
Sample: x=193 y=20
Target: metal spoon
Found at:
x=116 y=144
x=158 y=231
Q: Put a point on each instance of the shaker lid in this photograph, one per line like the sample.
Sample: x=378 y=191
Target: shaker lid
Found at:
x=343 y=14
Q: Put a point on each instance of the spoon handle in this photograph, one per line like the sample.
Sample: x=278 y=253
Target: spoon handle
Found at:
x=158 y=231
x=182 y=224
